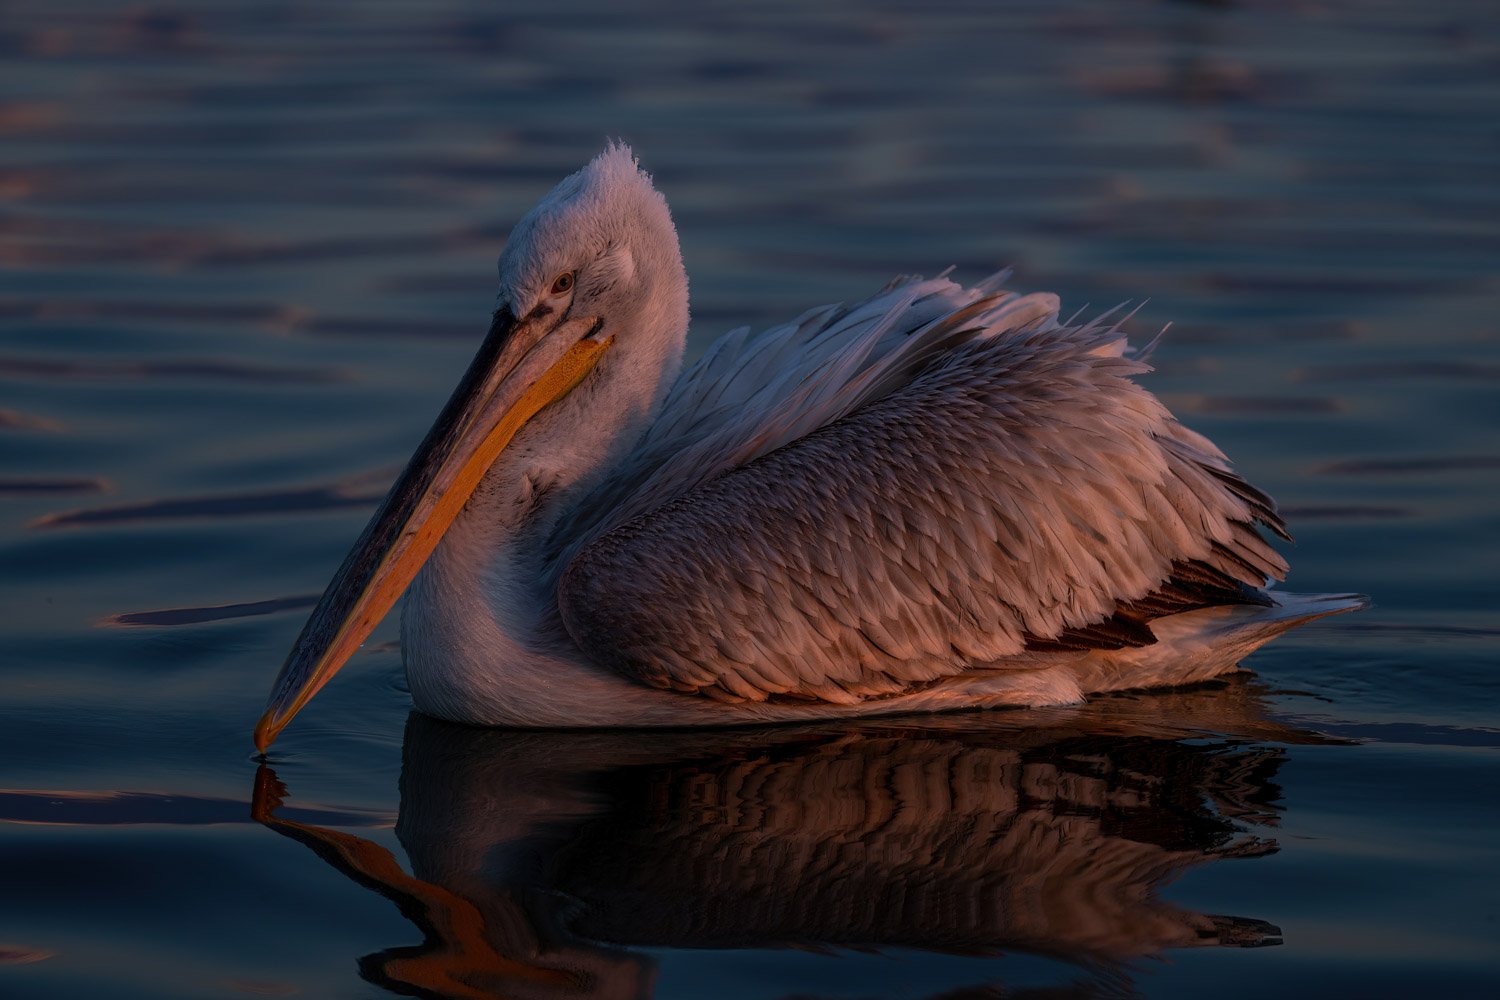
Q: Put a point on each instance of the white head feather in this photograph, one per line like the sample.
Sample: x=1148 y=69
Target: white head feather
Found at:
x=612 y=229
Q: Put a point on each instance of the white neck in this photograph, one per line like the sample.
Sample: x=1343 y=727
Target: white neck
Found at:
x=479 y=628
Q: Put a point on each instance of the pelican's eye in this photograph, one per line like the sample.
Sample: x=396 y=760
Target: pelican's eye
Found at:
x=562 y=283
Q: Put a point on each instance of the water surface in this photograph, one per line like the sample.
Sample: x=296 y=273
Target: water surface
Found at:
x=249 y=247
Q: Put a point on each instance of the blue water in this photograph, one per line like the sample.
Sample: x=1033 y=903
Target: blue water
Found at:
x=247 y=250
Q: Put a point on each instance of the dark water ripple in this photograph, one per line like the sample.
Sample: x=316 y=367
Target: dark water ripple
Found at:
x=1412 y=369
x=1345 y=512
x=25 y=487
x=74 y=808
x=355 y=493
x=54 y=368
x=1410 y=466
x=169 y=617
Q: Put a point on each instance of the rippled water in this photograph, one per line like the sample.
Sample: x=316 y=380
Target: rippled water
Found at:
x=248 y=247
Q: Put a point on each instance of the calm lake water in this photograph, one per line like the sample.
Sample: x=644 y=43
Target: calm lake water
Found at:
x=249 y=247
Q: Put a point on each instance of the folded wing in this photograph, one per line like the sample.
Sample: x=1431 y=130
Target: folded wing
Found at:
x=1008 y=487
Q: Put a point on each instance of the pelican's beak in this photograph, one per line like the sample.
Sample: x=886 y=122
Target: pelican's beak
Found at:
x=522 y=366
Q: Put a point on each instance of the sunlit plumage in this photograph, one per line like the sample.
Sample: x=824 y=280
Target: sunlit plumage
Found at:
x=940 y=497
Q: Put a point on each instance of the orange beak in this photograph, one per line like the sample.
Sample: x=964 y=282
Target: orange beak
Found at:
x=520 y=369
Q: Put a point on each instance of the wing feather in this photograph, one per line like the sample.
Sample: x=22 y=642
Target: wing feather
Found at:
x=752 y=393
x=1003 y=485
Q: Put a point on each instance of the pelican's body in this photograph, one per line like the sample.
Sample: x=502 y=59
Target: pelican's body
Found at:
x=941 y=497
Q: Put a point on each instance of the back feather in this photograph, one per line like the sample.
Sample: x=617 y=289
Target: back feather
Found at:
x=947 y=479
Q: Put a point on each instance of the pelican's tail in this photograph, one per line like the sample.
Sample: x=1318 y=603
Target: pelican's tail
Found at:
x=1291 y=610
x=1197 y=645
x=1190 y=648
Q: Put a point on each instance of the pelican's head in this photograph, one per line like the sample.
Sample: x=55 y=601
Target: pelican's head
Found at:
x=591 y=279
x=601 y=244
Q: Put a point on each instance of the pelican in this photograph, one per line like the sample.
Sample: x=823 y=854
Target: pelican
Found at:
x=937 y=498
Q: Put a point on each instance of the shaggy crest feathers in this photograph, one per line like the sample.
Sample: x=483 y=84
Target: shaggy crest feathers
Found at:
x=608 y=205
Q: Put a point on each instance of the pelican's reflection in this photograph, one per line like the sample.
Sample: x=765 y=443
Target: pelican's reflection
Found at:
x=544 y=863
